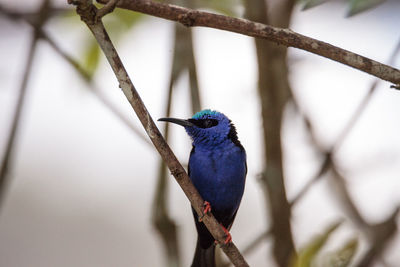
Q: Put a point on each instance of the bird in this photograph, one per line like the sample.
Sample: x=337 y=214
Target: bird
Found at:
x=217 y=168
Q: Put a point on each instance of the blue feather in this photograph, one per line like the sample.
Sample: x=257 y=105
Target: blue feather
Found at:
x=217 y=168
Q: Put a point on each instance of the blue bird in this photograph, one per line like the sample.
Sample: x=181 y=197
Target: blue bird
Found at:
x=217 y=168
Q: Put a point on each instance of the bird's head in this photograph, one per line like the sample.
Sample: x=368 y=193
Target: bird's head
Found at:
x=208 y=128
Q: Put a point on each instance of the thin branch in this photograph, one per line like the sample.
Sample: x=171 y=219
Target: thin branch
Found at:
x=100 y=96
x=74 y=63
x=326 y=165
x=364 y=103
x=162 y=221
x=78 y=67
x=257 y=241
x=160 y=216
x=9 y=151
x=379 y=235
x=343 y=194
x=343 y=134
x=183 y=58
x=323 y=169
x=16 y=121
x=191 y=65
x=28 y=18
x=286 y=37
x=87 y=11
x=107 y=8
x=32 y=16
x=329 y=163
x=266 y=234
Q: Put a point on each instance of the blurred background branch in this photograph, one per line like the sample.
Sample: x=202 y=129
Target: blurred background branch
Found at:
x=81 y=70
x=38 y=23
x=379 y=234
x=274 y=92
x=183 y=60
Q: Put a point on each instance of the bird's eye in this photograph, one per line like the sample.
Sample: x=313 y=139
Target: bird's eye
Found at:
x=210 y=123
x=204 y=123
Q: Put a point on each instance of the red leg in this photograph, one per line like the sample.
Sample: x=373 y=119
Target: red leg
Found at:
x=228 y=236
x=206 y=209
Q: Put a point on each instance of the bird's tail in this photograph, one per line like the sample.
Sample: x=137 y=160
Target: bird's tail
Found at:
x=204 y=257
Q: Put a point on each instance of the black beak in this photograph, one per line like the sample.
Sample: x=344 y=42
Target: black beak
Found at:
x=184 y=123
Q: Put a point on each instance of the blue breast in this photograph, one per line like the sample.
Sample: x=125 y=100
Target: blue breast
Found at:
x=219 y=176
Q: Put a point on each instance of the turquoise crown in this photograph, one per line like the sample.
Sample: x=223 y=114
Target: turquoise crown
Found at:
x=205 y=113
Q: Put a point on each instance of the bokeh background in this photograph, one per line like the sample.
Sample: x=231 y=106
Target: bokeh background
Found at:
x=81 y=182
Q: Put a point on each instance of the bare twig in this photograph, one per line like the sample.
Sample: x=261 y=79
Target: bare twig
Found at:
x=87 y=11
x=164 y=224
x=161 y=219
x=32 y=16
x=28 y=18
x=347 y=202
x=326 y=165
x=183 y=59
x=380 y=234
x=77 y=66
x=191 y=66
x=100 y=96
x=74 y=63
x=285 y=37
x=106 y=9
x=256 y=242
x=324 y=168
x=364 y=103
x=4 y=168
x=16 y=121
x=266 y=234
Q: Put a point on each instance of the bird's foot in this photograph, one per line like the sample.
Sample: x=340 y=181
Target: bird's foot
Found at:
x=228 y=238
x=206 y=209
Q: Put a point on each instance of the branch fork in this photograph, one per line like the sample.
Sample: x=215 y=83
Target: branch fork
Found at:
x=89 y=13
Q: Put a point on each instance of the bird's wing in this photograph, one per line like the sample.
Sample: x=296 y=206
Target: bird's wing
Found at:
x=233 y=218
x=191 y=153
